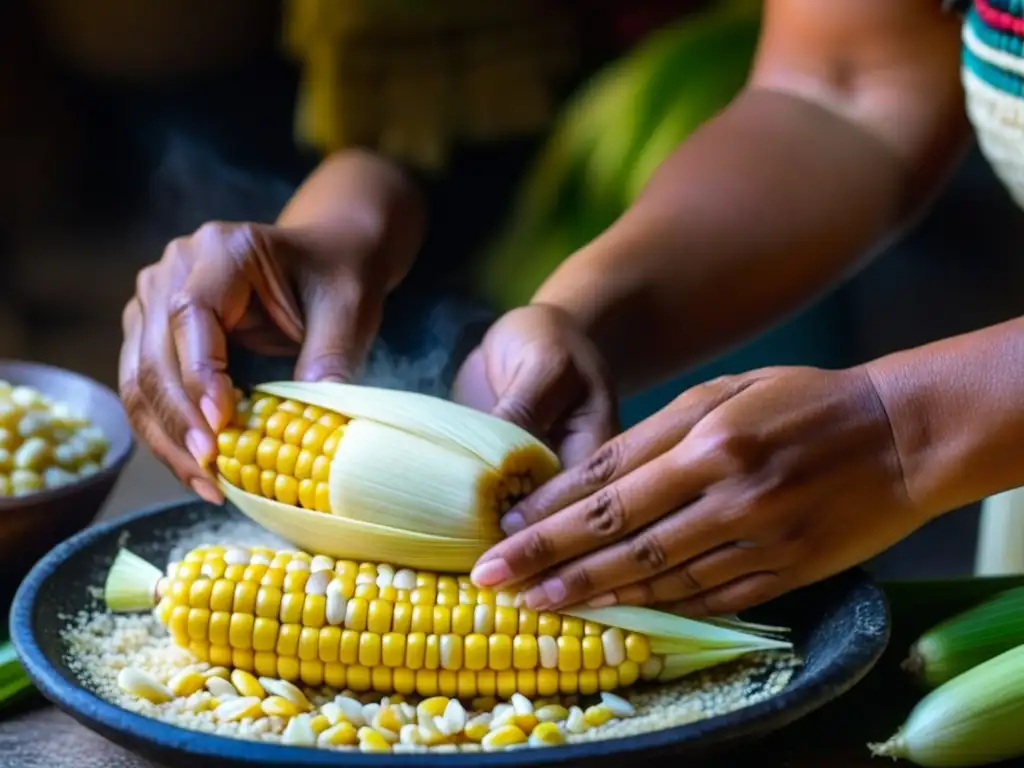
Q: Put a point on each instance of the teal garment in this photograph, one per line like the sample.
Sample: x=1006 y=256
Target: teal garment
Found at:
x=814 y=337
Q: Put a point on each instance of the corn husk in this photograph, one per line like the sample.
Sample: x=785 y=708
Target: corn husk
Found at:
x=416 y=481
x=974 y=719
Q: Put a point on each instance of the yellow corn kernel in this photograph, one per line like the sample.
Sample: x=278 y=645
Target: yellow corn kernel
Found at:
x=502 y=737
x=247 y=685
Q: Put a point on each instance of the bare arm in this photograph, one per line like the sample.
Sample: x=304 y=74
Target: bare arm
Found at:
x=357 y=198
x=851 y=119
x=957 y=412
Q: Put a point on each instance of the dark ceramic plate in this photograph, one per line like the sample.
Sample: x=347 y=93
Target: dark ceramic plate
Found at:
x=840 y=628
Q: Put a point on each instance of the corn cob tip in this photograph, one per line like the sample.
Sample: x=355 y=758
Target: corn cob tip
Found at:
x=914 y=664
x=132 y=583
x=895 y=748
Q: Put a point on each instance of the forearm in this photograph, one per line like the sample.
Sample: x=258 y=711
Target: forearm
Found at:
x=757 y=213
x=957 y=413
x=357 y=199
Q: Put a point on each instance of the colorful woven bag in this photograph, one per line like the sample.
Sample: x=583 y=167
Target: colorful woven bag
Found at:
x=993 y=78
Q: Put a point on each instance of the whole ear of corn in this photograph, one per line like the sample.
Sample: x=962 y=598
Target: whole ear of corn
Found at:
x=968 y=639
x=393 y=630
x=418 y=481
x=974 y=719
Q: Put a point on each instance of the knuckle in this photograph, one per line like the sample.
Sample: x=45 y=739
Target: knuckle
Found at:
x=648 y=553
x=683 y=580
x=537 y=547
x=182 y=307
x=604 y=516
x=603 y=465
x=578 y=582
x=737 y=449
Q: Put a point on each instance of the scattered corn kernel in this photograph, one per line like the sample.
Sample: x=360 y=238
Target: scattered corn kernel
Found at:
x=143 y=685
x=341 y=734
x=547 y=734
x=502 y=738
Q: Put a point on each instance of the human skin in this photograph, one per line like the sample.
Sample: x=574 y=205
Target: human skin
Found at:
x=314 y=283
x=749 y=485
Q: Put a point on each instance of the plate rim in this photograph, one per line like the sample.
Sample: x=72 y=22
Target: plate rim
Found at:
x=151 y=735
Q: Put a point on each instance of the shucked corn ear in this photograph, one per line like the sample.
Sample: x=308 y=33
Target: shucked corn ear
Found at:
x=968 y=639
x=974 y=719
x=372 y=626
x=416 y=480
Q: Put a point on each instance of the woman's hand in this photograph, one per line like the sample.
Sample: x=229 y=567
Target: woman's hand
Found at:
x=536 y=369
x=743 y=488
x=313 y=285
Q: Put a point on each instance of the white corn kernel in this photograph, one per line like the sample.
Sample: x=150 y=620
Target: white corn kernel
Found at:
x=483 y=620
x=404 y=579
x=32 y=454
x=521 y=704
x=614 y=646
x=25 y=481
x=321 y=563
x=337 y=605
x=454 y=716
x=238 y=708
x=317 y=582
x=236 y=556
x=576 y=722
x=142 y=684
x=333 y=712
x=285 y=690
x=296 y=565
x=352 y=710
x=619 y=706
x=55 y=477
x=548 y=647
x=220 y=687
x=299 y=732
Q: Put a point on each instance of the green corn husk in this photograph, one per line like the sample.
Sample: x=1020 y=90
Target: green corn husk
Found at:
x=13 y=680
x=968 y=639
x=976 y=718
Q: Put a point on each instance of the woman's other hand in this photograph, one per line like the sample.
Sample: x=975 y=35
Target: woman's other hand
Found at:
x=536 y=369
x=743 y=488
x=313 y=284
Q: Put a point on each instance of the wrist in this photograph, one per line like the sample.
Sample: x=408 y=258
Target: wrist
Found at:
x=359 y=203
x=955 y=413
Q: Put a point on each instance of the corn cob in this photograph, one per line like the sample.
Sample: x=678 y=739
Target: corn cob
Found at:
x=419 y=480
x=374 y=627
x=972 y=719
x=966 y=640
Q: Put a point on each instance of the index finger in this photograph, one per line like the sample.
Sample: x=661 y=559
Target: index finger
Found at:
x=598 y=521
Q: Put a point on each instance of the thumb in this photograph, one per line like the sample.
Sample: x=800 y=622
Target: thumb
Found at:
x=342 y=320
x=540 y=391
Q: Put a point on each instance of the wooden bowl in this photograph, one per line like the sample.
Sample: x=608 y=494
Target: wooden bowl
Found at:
x=30 y=526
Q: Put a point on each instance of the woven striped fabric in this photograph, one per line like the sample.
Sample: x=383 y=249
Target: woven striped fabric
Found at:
x=993 y=78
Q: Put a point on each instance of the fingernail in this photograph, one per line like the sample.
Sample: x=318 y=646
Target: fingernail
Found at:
x=491 y=573
x=210 y=412
x=332 y=378
x=206 y=491
x=512 y=522
x=603 y=601
x=198 y=445
x=549 y=593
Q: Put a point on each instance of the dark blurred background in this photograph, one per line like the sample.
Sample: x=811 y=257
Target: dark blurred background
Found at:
x=103 y=167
